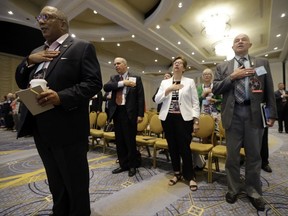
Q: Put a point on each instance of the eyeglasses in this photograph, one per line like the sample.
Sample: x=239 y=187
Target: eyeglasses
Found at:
x=207 y=74
x=178 y=62
x=45 y=17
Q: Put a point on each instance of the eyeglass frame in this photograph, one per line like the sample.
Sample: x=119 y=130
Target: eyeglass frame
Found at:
x=46 y=17
x=178 y=62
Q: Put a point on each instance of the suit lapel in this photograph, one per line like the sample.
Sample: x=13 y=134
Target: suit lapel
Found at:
x=63 y=48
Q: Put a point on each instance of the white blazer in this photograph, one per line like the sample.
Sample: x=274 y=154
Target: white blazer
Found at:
x=188 y=99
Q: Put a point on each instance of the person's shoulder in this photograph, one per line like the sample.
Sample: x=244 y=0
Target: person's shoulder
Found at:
x=78 y=40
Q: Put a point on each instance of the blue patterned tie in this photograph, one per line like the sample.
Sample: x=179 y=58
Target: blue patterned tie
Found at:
x=240 y=85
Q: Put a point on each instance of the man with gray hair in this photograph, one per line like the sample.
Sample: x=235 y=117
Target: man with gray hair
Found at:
x=245 y=83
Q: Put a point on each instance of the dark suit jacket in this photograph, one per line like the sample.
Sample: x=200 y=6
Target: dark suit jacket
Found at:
x=75 y=75
x=279 y=103
x=135 y=100
x=223 y=85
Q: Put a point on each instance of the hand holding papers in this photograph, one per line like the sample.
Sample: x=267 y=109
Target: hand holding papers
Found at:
x=28 y=97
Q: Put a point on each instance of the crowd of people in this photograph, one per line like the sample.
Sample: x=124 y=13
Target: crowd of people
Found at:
x=74 y=78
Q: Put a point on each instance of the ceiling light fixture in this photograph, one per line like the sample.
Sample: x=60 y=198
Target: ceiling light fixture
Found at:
x=10 y=12
x=216 y=25
x=224 y=48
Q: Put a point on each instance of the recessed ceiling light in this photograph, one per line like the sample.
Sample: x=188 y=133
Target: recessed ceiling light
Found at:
x=203 y=61
x=159 y=71
x=133 y=36
x=278 y=35
x=283 y=15
x=173 y=57
x=156 y=60
x=180 y=5
x=193 y=53
x=179 y=42
x=73 y=35
x=10 y=12
x=102 y=38
x=157 y=26
x=118 y=44
x=266 y=55
x=95 y=12
x=156 y=48
x=109 y=62
x=275 y=48
x=143 y=71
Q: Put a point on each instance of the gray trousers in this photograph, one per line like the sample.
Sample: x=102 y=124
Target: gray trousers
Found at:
x=242 y=132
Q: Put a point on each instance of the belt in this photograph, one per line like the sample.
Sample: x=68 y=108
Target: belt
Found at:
x=244 y=103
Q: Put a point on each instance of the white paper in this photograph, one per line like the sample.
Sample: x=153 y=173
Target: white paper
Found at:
x=260 y=70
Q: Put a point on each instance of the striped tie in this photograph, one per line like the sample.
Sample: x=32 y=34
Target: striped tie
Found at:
x=240 y=85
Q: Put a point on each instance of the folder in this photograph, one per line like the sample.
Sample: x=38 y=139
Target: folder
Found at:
x=28 y=97
x=264 y=113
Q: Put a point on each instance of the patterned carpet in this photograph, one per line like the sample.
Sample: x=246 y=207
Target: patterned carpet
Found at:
x=24 y=191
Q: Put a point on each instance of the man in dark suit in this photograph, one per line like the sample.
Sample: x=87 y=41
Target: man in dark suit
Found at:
x=61 y=134
x=281 y=96
x=245 y=82
x=127 y=109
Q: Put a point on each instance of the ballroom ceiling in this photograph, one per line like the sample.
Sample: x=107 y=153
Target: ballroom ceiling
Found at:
x=128 y=28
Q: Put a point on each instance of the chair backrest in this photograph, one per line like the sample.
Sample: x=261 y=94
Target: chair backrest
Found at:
x=92 y=119
x=155 y=125
x=101 y=119
x=206 y=126
x=141 y=126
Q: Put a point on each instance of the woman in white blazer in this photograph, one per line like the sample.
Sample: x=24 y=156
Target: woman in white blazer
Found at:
x=179 y=116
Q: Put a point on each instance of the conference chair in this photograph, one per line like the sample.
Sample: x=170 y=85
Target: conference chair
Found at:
x=147 y=140
x=98 y=132
x=205 y=132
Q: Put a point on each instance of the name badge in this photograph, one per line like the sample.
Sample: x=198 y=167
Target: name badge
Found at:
x=260 y=70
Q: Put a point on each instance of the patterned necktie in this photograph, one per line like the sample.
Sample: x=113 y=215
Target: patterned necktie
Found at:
x=119 y=94
x=240 y=85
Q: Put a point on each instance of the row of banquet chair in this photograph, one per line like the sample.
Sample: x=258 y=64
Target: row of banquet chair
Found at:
x=151 y=135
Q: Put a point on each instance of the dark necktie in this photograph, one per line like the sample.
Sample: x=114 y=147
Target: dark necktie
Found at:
x=119 y=94
x=240 y=85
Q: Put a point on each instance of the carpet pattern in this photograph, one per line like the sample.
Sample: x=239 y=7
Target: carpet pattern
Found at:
x=24 y=187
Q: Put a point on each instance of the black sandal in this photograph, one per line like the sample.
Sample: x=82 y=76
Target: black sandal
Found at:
x=193 y=185
x=177 y=177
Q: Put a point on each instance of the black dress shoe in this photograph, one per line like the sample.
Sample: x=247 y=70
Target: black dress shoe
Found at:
x=230 y=198
x=267 y=168
x=257 y=203
x=131 y=172
x=118 y=170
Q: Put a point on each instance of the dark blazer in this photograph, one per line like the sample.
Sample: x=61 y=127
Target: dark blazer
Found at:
x=135 y=100
x=223 y=85
x=75 y=75
x=279 y=99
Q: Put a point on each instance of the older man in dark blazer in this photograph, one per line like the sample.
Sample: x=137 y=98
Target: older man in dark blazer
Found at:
x=61 y=134
x=281 y=96
x=245 y=82
x=126 y=107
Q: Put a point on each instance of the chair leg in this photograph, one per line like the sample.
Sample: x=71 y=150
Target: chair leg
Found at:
x=217 y=164
x=148 y=151
x=154 y=157
x=209 y=180
x=167 y=155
